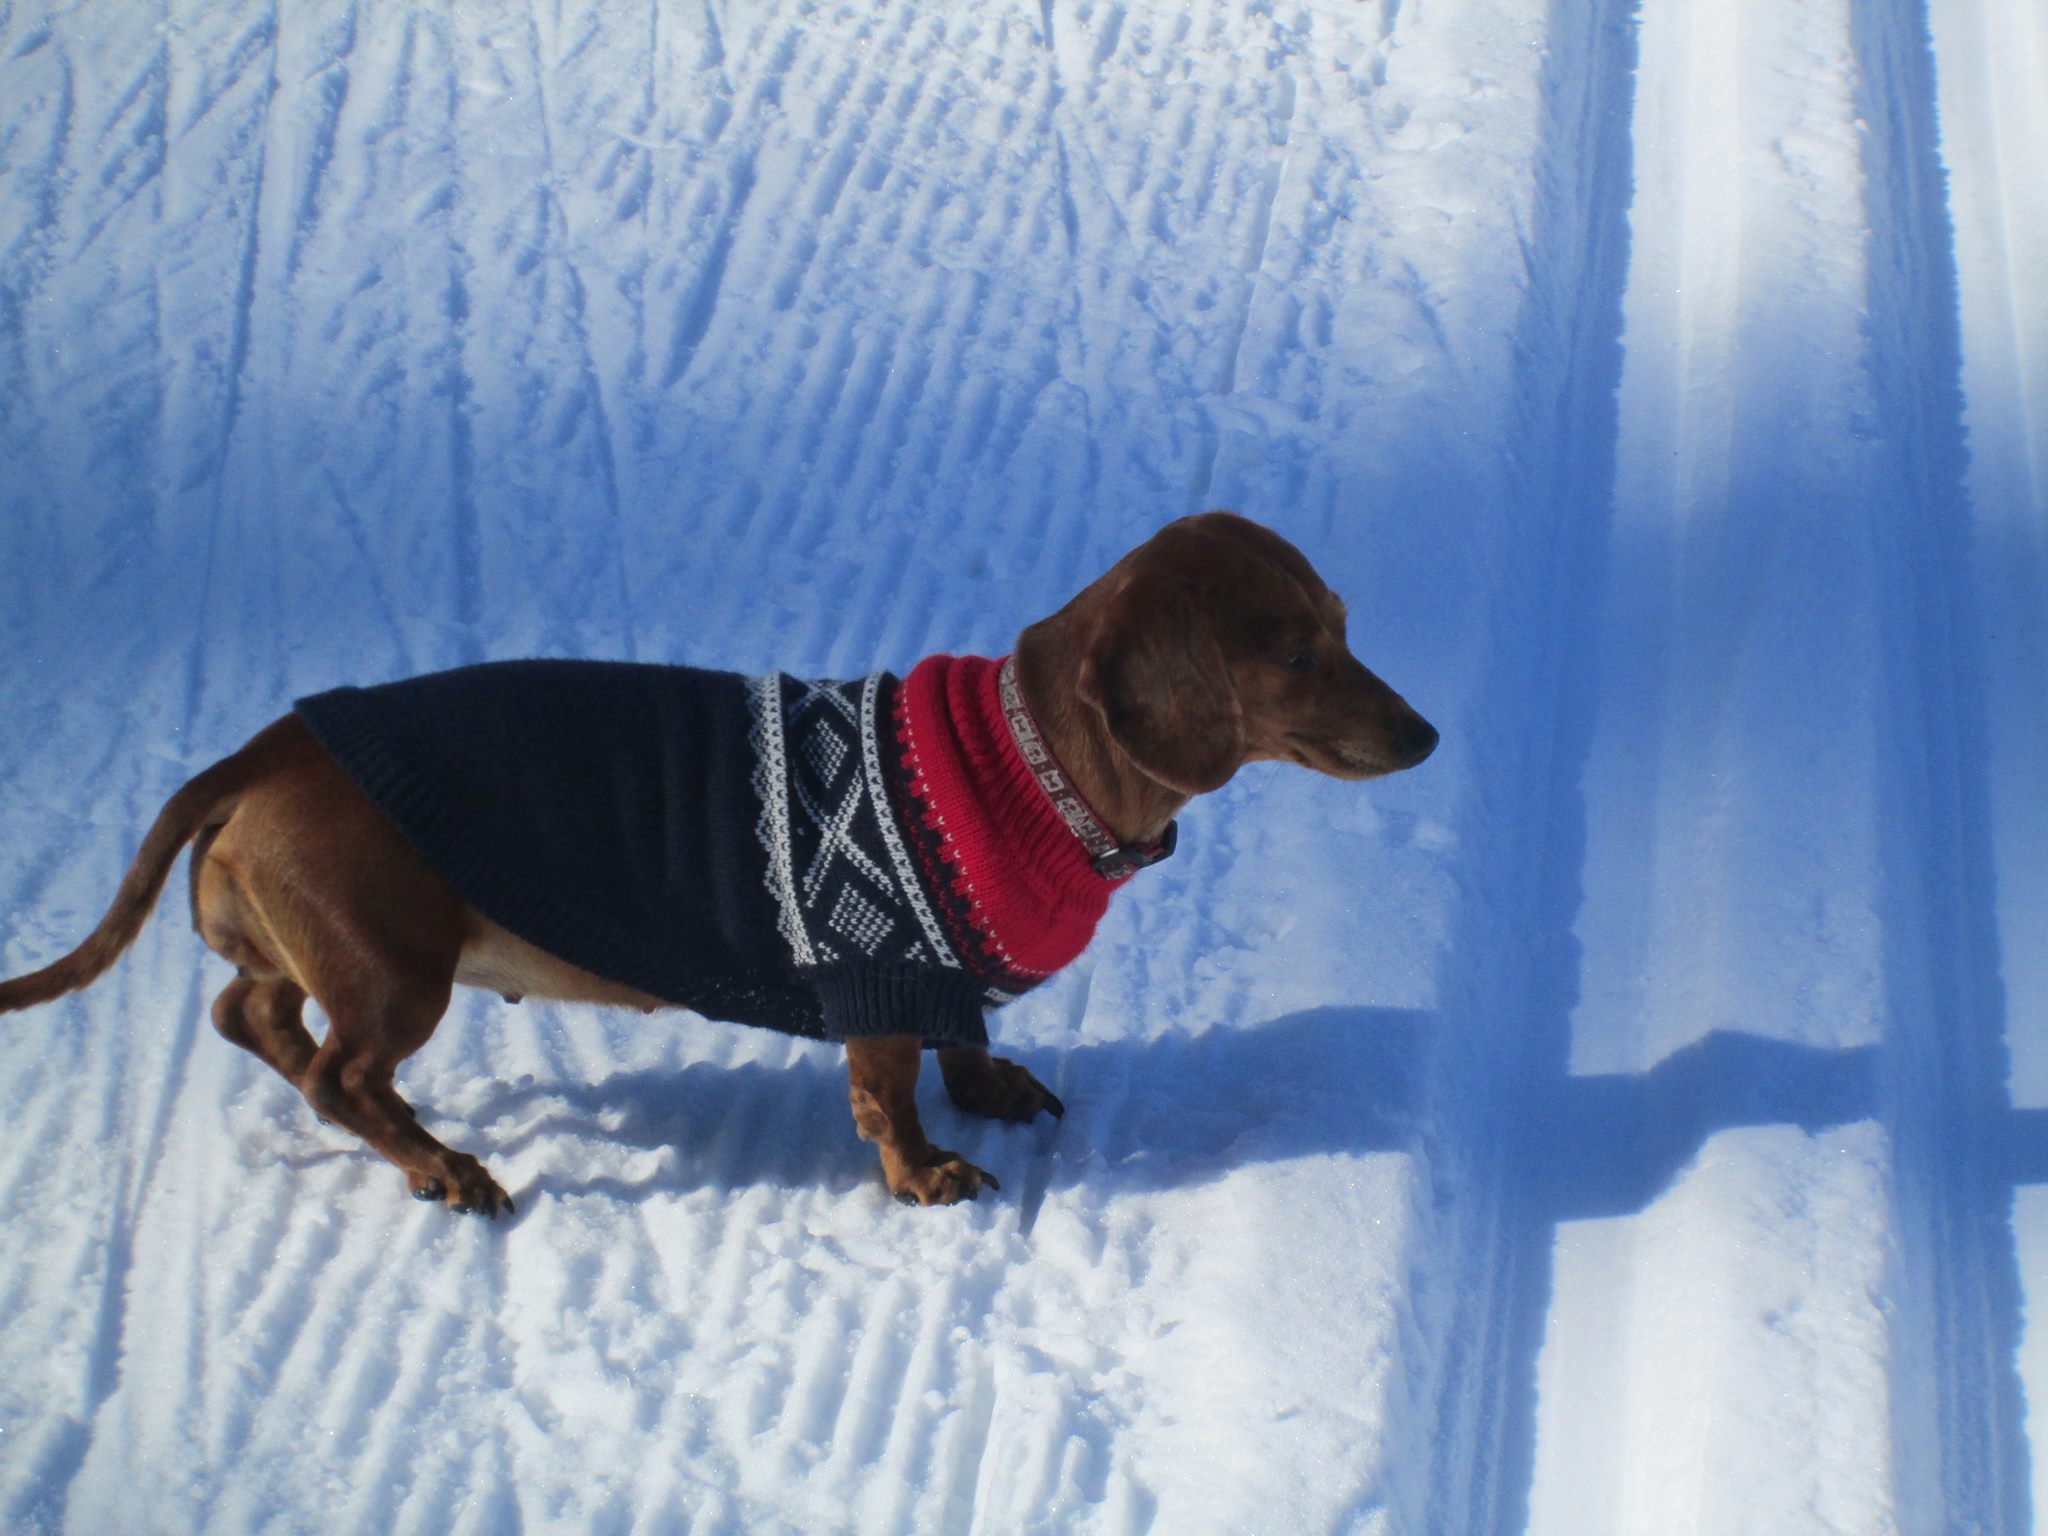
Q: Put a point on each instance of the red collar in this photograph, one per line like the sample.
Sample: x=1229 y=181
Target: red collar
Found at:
x=1110 y=859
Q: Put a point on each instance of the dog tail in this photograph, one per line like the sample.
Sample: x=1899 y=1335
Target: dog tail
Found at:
x=206 y=800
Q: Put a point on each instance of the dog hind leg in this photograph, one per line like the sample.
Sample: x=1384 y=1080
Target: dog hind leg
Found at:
x=264 y=1017
x=349 y=1082
x=308 y=890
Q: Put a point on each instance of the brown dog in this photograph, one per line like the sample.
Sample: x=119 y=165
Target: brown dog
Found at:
x=1211 y=645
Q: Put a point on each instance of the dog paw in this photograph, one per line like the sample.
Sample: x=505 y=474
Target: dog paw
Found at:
x=465 y=1185
x=944 y=1179
x=1002 y=1090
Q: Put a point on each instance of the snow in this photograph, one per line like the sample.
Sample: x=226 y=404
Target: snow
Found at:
x=1632 y=1120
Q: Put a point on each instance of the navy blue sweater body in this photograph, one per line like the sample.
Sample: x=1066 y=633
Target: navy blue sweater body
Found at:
x=708 y=838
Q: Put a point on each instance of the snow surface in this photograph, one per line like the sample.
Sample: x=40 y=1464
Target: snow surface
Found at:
x=1636 y=1120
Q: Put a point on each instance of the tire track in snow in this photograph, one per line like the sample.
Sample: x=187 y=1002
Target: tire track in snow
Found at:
x=885 y=364
x=966 y=1450
x=465 y=522
x=98 y=1310
x=275 y=1274
x=148 y=140
x=427 y=82
x=1256 y=252
x=1959 y=1418
x=1719 y=447
x=242 y=316
x=146 y=1118
x=136 y=1279
x=855 y=394
x=332 y=76
x=894 y=1465
x=87 y=1078
x=1993 y=131
x=31 y=199
x=694 y=313
x=357 y=1387
x=1674 y=716
x=556 y=229
x=1484 y=1308
x=114 y=102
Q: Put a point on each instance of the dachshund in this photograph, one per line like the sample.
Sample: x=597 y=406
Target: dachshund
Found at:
x=1211 y=645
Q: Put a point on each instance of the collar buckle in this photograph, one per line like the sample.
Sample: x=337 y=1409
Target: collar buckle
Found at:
x=1128 y=858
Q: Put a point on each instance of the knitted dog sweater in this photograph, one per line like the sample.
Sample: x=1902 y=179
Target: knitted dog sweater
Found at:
x=828 y=859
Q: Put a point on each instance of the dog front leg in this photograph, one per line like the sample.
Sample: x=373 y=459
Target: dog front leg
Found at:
x=989 y=1085
x=882 y=1075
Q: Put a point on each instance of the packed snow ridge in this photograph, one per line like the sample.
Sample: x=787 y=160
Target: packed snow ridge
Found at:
x=1634 y=1120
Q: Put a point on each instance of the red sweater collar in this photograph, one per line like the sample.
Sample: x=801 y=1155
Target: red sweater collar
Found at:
x=1031 y=891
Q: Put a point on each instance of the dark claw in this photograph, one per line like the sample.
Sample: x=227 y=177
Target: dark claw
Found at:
x=1052 y=1102
x=432 y=1190
x=905 y=1198
x=991 y=1181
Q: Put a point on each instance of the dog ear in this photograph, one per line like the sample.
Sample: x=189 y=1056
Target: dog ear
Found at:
x=1156 y=675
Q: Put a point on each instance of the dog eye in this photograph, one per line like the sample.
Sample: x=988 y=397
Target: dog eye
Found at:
x=1299 y=661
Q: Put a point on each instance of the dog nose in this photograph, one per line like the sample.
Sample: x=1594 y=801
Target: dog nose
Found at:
x=1416 y=741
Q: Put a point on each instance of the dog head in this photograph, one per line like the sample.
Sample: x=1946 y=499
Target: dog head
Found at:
x=1214 y=644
